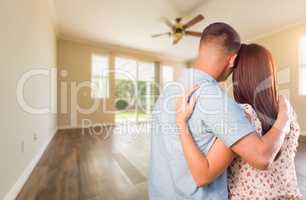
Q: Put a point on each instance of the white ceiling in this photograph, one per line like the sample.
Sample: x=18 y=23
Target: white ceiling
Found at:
x=130 y=23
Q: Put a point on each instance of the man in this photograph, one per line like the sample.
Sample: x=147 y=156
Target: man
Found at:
x=217 y=116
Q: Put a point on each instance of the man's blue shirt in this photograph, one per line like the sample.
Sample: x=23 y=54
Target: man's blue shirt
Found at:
x=215 y=116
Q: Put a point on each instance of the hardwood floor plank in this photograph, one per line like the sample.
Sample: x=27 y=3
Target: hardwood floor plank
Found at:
x=130 y=170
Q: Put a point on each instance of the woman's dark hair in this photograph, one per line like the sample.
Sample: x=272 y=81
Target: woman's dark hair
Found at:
x=254 y=79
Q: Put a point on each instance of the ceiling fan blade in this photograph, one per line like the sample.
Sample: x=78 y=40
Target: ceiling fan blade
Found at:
x=192 y=22
x=161 y=34
x=168 y=22
x=193 y=33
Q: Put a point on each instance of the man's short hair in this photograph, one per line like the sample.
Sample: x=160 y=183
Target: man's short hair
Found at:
x=221 y=34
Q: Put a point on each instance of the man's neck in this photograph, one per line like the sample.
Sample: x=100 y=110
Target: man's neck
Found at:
x=205 y=67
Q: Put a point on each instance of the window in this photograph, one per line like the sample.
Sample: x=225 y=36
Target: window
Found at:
x=134 y=83
x=167 y=74
x=302 y=70
x=99 y=77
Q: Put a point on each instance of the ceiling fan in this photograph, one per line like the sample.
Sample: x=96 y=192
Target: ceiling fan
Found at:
x=178 y=29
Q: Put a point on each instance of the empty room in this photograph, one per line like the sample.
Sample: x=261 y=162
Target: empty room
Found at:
x=155 y=99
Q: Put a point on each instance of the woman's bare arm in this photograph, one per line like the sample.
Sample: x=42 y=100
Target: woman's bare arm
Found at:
x=204 y=169
x=258 y=152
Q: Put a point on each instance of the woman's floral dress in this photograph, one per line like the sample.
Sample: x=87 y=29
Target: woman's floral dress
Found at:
x=279 y=182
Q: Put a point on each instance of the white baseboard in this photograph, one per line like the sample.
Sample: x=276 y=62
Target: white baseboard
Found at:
x=13 y=193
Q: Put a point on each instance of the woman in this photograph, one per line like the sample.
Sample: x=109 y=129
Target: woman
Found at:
x=255 y=90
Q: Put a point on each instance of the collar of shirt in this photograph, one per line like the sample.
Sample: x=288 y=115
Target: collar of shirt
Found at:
x=193 y=76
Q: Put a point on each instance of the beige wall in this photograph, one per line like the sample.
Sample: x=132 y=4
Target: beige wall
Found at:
x=74 y=57
x=284 y=46
x=27 y=41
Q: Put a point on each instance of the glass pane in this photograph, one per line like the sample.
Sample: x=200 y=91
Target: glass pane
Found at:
x=302 y=86
x=303 y=51
x=125 y=88
x=167 y=74
x=103 y=87
x=303 y=80
x=99 y=65
x=146 y=71
x=134 y=82
x=99 y=77
x=126 y=69
x=145 y=83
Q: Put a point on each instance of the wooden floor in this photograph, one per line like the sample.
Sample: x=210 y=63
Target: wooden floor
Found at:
x=92 y=166
x=108 y=166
